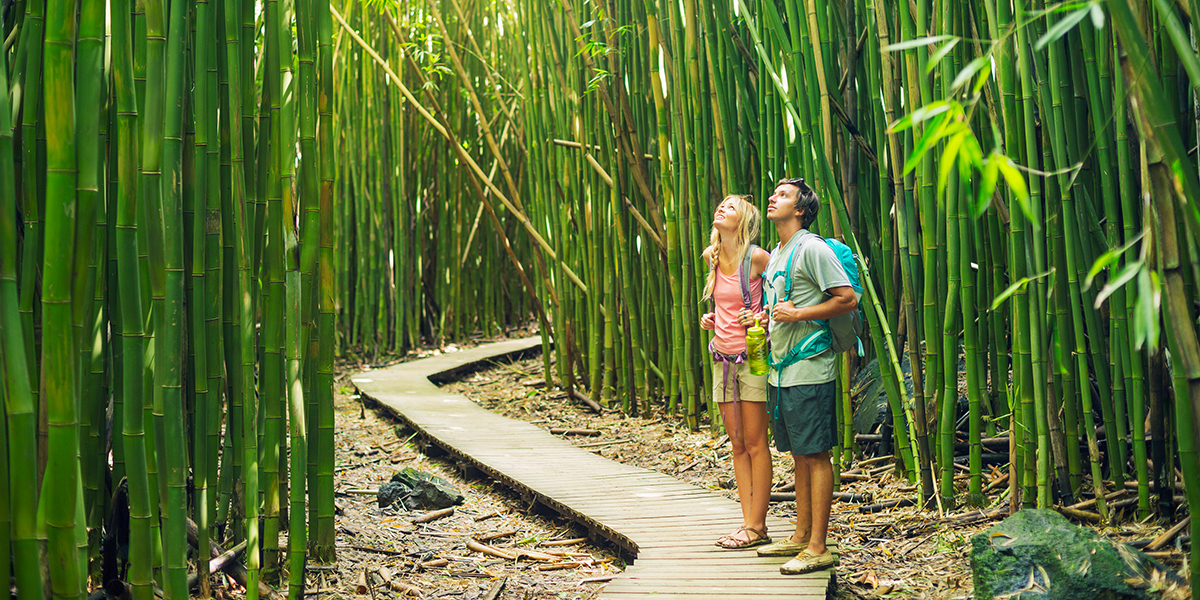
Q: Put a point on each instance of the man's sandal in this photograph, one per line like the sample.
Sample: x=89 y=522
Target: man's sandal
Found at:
x=807 y=562
x=729 y=542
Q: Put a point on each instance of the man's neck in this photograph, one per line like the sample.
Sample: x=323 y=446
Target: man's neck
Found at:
x=787 y=229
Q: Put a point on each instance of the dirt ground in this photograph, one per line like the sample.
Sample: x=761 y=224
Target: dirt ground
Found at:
x=897 y=552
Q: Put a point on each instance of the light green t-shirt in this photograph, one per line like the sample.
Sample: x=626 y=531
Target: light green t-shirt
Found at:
x=815 y=268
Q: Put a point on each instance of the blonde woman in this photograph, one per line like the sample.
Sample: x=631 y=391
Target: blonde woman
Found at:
x=741 y=396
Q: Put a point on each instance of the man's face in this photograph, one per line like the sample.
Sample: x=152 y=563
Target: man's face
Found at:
x=781 y=206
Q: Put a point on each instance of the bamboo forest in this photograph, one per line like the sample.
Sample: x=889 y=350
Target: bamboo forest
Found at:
x=205 y=204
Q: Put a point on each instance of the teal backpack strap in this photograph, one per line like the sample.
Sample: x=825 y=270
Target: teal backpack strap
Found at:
x=812 y=345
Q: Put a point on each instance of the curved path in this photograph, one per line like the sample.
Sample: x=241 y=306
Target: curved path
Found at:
x=668 y=525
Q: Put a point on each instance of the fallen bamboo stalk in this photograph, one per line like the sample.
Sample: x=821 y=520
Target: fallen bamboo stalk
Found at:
x=535 y=555
x=496 y=589
x=599 y=444
x=560 y=566
x=1090 y=503
x=494 y=536
x=997 y=482
x=395 y=584
x=848 y=476
x=1132 y=485
x=374 y=550
x=871 y=508
x=1164 y=554
x=486 y=516
x=872 y=461
x=564 y=431
x=1169 y=534
x=360 y=587
x=570 y=542
x=218 y=564
x=486 y=549
x=578 y=395
x=1080 y=515
x=434 y=515
x=434 y=563
x=233 y=569
x=842 y=496
x=873 y=473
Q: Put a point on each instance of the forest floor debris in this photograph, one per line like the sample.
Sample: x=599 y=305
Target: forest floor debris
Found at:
x=492 y=546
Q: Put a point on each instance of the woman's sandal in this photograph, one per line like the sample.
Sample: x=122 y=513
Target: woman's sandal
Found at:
x=729 y=542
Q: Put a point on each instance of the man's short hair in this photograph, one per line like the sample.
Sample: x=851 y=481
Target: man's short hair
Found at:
x=807 y=201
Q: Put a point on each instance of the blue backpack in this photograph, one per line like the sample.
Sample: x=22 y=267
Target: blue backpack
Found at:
x=840 y=333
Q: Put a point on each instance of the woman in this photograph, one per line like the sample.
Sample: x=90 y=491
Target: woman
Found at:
x=741 y=396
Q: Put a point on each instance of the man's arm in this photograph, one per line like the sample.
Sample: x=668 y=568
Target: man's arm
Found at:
x=841 y=301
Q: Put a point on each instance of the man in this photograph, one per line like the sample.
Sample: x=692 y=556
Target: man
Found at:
x=806 y=285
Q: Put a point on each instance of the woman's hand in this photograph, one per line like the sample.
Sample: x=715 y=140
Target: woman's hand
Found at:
x=785 y=312
x=763 y=318
x=707 y=321
x=745 y=317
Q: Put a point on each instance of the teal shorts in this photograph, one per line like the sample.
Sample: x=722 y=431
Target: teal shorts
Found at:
x=803 y=418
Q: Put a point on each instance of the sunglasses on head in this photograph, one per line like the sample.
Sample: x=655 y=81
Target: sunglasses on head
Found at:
x=798 y=182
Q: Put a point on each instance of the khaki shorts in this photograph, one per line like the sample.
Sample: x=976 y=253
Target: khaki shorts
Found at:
x=752 y=388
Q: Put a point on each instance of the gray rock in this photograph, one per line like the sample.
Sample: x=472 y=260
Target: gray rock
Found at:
x=1038 y=553
x=428 y=491
x=391 y=492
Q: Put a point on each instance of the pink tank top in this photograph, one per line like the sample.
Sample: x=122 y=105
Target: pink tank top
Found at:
x=727 y=296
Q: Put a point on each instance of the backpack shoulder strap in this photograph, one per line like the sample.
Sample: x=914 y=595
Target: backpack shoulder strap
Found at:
x=787 y=280
x=744 y=274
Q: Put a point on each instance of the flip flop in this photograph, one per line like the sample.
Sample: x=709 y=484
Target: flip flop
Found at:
x=730 y=543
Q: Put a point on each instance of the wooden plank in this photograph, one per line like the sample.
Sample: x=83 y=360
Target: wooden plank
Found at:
x=669 y=524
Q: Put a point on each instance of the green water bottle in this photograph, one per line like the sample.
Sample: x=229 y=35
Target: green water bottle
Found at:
x=756 y=349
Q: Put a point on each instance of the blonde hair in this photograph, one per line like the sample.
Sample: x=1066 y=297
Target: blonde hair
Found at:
x=749 y=222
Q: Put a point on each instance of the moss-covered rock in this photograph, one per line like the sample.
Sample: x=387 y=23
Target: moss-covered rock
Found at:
x=427 y=491
x=1039 y=554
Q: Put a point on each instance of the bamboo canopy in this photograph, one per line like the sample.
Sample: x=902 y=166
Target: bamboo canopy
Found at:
x=203 y=203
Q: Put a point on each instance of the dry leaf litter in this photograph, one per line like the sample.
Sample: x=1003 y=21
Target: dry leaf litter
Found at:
x=900 y=552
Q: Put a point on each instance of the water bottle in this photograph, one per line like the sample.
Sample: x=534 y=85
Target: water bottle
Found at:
x=756 y=349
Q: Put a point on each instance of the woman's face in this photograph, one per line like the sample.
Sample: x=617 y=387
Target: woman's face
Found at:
x=726 y=220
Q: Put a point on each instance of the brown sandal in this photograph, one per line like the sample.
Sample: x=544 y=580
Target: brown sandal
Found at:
x=729 y=542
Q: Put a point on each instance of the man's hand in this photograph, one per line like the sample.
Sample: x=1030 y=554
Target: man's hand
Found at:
x=707 y=322
x=785 y=312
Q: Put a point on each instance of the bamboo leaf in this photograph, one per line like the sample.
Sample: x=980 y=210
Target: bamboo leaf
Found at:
x=1016 y=183
x=1016 y=287
x=987 y=186
x=1107 y=259
x=922 y=114
x=1063 y=26
x=1146 y=310
x=916 y=43
x=1122 y=277
x=941 y=53
x=970 y=70
x=928 y=141
x=1097 y=16
x=948 y=159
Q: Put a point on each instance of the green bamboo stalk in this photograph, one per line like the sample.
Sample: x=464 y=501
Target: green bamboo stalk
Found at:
x=21 y=427
x=170 y=355
x=61 y=485
x=321 y=543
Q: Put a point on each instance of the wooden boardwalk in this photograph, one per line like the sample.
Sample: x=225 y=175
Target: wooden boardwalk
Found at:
x=668 y=525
